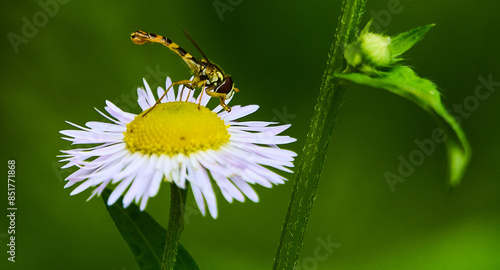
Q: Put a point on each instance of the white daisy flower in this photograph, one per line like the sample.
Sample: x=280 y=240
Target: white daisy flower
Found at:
x=177 y=141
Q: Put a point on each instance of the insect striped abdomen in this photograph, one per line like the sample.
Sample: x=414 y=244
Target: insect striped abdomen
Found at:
x=141 y=37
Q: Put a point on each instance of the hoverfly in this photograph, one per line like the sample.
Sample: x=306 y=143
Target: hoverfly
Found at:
x=207 y=76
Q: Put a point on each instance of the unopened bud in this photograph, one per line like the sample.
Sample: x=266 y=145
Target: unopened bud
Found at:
x=369 y=51
x=376 y=49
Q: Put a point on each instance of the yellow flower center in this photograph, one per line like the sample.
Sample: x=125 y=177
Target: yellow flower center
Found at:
x=176 y=127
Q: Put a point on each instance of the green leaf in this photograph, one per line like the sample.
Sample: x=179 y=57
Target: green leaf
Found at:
x=404 y=41
x=144 y=236
x=367 y=27
x=402 y=81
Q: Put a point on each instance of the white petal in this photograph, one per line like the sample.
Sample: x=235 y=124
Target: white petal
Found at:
x=100 y=126
x=246 y=189
x=228 y=189
x=174 y=163
x=141 y=181
x=252 y=177
x=110 y=119
x=160 y=91
x=149 y=94
x=253 y=124
x=198 y=196
x=118 y=191
x=99 y=189
x=142 y=99
x=262 y=139
x=83 y=186
x=238 y=112
x=132 y=164
x=118 y=113
x=208 y=193
x=167 y=168
x=182 y=160
x=155 y=183
x=170 y=93
x=144 y=202
x=202 y=181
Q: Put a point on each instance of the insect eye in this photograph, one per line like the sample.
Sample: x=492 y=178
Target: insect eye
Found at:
x=141 y=37
x=226 y=87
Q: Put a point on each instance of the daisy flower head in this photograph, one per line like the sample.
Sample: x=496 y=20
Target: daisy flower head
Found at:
x=180 y=140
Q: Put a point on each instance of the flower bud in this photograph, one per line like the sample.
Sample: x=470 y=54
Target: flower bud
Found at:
x=368 y=52
x=376 y=49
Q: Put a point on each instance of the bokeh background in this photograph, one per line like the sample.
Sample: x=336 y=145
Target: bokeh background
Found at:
x=80 y=55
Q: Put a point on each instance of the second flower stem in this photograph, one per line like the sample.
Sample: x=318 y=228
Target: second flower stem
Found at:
x=312 y=157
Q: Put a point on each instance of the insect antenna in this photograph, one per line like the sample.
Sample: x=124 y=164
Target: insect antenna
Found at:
x=196 y=45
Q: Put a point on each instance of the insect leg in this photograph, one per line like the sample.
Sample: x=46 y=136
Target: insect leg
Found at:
x=190 y=87
x=187 y=83
x=201 y=95
x=211 y=92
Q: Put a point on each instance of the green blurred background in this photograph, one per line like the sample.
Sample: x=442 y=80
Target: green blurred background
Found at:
x=276 y=52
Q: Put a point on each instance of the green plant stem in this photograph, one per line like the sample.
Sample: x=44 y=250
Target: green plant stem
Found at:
x=175 y=226
x=314 y=151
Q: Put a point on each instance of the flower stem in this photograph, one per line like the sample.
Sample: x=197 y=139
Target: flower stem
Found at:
x=318 y=137
x=175 y=226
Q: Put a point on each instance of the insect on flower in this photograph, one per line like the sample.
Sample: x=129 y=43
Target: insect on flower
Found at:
x=207 y=76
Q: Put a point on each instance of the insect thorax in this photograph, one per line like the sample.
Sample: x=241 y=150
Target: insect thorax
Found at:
x=211 y=74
